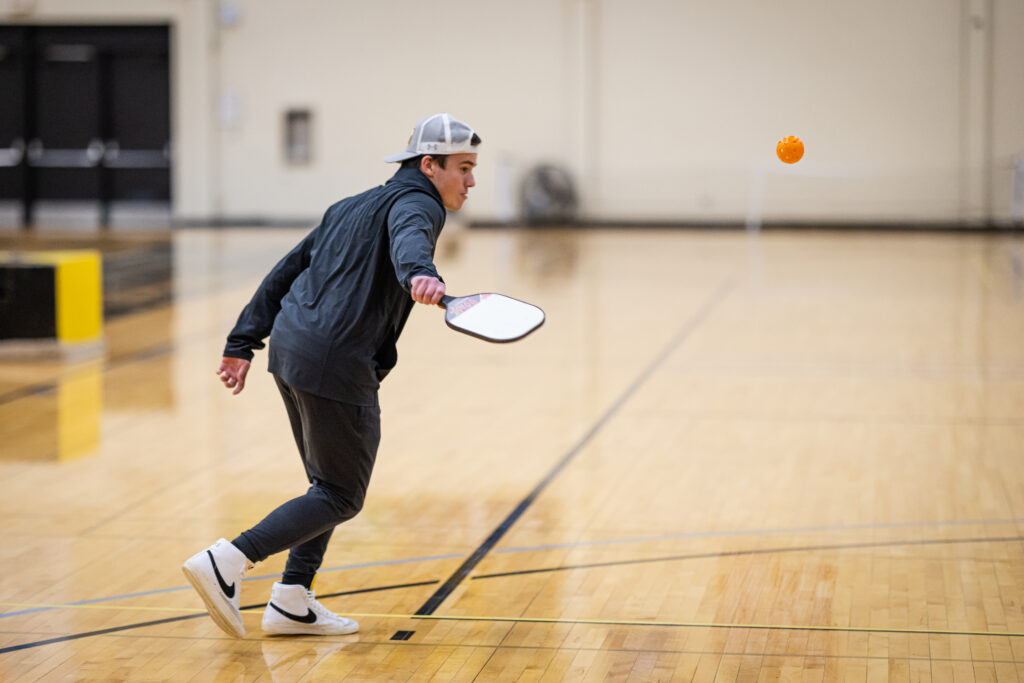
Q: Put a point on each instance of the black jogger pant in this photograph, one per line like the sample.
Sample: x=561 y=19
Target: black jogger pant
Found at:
x=338 y=445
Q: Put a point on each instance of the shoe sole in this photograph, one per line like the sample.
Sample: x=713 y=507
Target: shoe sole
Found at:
x=213 y=605
x=287 y=628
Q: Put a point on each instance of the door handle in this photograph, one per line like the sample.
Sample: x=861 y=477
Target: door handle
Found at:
x=94 y=152
x=112 y=151
x=35 y=149
x=13 y=155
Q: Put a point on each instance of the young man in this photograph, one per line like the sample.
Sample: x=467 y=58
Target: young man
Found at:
x=334 y=307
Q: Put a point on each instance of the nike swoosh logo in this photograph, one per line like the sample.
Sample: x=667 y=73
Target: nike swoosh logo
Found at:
x=308 y=618
x=228 y=590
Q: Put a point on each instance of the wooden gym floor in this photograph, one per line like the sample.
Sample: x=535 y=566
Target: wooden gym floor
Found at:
x=725 y=456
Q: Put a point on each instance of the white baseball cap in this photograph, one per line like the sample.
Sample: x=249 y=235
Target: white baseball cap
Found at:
x=438 y=134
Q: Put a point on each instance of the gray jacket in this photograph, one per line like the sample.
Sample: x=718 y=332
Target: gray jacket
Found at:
x=335 y=305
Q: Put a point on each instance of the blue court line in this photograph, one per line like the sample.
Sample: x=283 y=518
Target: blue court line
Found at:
x=520 y=549
x=719 y=554
x=362 y=565
x=248 y=578
x=759 y=532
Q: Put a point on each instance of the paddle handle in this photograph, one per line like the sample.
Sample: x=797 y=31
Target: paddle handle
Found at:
x=445 y=300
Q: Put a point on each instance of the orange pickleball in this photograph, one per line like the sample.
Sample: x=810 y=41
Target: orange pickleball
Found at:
x=790 y=149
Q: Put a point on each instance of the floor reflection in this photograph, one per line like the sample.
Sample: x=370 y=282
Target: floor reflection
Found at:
x=51 y=406
x=547 y=254
x=54 y=422
x=289 y=658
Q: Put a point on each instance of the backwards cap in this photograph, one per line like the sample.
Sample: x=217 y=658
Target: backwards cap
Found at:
x=436 y=135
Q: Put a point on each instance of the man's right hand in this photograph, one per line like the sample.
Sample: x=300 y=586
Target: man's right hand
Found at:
x=426 y=290
x=232 y=372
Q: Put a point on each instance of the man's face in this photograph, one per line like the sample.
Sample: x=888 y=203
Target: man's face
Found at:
x=454 y=180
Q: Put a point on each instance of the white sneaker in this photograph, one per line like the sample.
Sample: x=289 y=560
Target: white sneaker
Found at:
x=294 y=609
x=209 y=572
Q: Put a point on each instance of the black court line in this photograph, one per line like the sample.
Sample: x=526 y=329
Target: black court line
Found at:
x=628 y=650
x=186 y=617
x=29 y=390
x=762 y=551
x=613 y=623
x=139 y=356
x=474 y=559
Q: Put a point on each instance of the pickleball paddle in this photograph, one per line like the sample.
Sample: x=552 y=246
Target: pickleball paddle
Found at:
x=491 y=317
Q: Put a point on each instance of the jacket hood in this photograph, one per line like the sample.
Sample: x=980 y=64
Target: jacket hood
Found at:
x=414 y=177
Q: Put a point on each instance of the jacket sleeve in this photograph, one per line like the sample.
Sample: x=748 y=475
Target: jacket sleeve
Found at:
x=414 y=224
x=257 y=318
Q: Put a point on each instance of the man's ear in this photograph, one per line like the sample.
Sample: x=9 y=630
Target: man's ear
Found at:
x=427 y=166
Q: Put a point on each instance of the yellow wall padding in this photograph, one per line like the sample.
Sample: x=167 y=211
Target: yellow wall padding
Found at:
x=79 y=289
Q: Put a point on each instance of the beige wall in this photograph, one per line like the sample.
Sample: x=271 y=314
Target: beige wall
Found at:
x=368 y=72
x=715 y=85
x=664 y=109
x=1007 y=107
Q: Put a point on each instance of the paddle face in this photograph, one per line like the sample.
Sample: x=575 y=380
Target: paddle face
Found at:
x=492 y=317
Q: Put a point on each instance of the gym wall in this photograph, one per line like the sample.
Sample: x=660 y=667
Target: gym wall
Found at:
x=662 y=110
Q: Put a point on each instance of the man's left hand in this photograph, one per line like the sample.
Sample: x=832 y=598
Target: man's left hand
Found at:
x=232 y=372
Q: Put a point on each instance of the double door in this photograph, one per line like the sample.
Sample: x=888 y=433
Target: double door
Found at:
x=84 y=117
